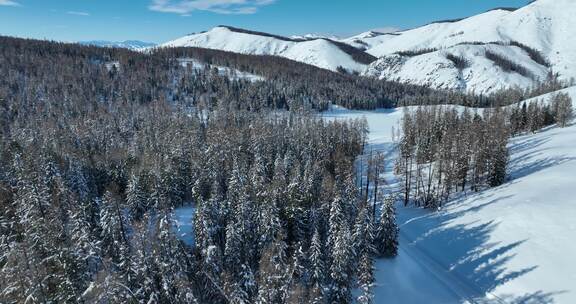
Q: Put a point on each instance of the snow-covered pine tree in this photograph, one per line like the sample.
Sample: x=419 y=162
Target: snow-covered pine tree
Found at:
x=233 y=256
x=405 y=161
x=340 y=269
x=136 y=198
x=363 y=235
x=386 y=239
x=114 y=225
x=366 y=278
x=336 y=220
x=318 y=270
x=273 y=276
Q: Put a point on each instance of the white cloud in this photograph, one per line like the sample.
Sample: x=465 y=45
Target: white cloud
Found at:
x=184 y=7
x=8 y=3
x=77 y=13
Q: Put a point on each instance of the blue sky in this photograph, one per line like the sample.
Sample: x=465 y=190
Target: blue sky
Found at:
x=162 y=20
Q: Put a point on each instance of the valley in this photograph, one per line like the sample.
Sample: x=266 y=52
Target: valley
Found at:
x=494 y=246
x=284 y=158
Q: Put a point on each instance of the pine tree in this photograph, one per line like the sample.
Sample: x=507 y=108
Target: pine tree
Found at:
x=366 y=278
x=136 y=199
x=318 y=271
x=273 y=272
x=114 y=224
x=336 y=220
x=363 y=236
x=363 y=240
x=340 y=267
x=386 y=239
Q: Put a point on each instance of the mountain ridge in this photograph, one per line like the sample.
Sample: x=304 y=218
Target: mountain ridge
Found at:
x=321 y=52
x=534 y=39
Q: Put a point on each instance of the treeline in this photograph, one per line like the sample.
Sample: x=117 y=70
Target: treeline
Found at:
x=508 y=65
x=443 y=151
x=141 y=78
x=534 y=54
x=290 y=82
x=533 y=116
x=118 y=75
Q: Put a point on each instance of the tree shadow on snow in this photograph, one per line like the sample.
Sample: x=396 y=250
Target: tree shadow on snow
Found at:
x=528 y=157
x=466 y=250
x=538 y=297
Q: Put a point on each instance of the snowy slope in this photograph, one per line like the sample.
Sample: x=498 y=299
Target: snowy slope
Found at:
x=481 y=75
x=368 y=40
x=545 y=25
x=323 y=53
x=511 y=244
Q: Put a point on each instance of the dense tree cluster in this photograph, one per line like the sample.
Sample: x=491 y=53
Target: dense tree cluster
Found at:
x=507 y=64
x=460 y=62
x=417 y=52
x=534 y=54
x=442 y=151
x=535 y=115
x=87 y=200
x=97 y=148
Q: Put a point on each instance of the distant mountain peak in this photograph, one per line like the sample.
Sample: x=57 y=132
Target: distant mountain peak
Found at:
x=127 y=44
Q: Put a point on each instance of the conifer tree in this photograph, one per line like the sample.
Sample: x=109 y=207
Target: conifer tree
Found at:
x=386 y=239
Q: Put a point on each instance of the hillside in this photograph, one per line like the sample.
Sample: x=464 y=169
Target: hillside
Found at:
x=367 y=40
x=510 y=244
x=323 y=53
x=544 y=26
x=462 y=67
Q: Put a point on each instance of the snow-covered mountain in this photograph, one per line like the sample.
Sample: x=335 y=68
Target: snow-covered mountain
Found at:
x=368 y=40
x=321 y=52
x=546 y=27
x=462 y=67
x=498 y=49
x=128 y=44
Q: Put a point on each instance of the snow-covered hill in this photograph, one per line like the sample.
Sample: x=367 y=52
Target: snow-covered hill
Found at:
x=368 y=40
x=469 y=69
x=536 y=39
x=546 y=26
x=324 y=53
x=128 y=44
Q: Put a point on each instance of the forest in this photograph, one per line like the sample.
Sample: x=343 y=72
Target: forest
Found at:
x=95 y=157
x=98 y=146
